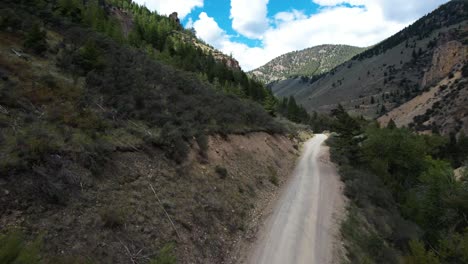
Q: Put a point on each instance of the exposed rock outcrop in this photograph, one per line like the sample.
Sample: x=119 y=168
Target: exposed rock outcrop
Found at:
x=446 y=57
x=175 y=17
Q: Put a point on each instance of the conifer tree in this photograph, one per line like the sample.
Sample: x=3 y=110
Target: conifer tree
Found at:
x=36 y=39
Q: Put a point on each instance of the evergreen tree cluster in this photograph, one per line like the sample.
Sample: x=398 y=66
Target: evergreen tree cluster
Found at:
x=166 y=40
x=294 y=112
x=406 y=206
x=36 y=40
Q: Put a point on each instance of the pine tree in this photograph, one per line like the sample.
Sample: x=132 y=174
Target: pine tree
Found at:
x=270 y=104
x=292 y=109
x=391 y=124
x=90 y=57
x=383 y=110
x=36 y=40
x=414 y=54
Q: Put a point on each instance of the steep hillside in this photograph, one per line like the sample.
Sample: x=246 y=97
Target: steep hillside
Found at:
x=114 y=149
x=392 y=72
x=308 y=62
x=124 y=12
x=442 y=109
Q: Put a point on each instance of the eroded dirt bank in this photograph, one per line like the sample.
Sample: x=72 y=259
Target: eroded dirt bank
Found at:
x=212 y=201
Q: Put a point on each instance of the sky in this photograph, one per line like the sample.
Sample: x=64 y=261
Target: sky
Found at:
x=257 y=31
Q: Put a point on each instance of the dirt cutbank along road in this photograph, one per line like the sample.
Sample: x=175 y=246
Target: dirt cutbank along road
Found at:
x=302 y=227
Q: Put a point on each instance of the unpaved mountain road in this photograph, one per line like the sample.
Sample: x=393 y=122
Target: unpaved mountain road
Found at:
x=302 y=227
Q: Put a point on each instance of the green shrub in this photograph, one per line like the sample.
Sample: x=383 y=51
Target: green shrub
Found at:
x=15 y=250
x=112 y=218
x=8 y=18
x=221 y=171
x=202 y=141
x=30 y=144
x=273 y=176
x=36 y=39
x=465 y=70
x=419 y=255
x=274 y=180
x=89 y=57
x=165 y=256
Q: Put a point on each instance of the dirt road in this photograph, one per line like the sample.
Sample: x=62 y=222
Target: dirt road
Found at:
x=302 y=227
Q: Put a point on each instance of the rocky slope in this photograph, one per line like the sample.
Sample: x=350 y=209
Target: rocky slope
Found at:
x=394 y=71
x=444 y=108
x=200 y=207
x=308 y=62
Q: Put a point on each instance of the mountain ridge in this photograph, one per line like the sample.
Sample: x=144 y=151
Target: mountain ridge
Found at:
x=392 y=72
x=311 y=61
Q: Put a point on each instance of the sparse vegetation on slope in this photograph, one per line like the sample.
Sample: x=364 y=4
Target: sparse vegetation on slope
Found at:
x=440 y=110
x=308 y=62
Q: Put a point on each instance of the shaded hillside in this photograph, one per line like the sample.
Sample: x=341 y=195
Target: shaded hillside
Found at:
x=394 y=71
x=113 y=149
x=308 y=62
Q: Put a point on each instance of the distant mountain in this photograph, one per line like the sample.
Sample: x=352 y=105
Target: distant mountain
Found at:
x=307 y=62
x=397 y=70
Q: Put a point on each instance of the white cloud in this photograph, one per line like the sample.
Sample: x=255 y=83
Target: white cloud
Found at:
x=404 y=10
x=293 y=30
x=189 y=23
x=249 y=17
x=395 y=10
x=166 y=7
x=282 y=17
x=208 y=30
x=329 y=2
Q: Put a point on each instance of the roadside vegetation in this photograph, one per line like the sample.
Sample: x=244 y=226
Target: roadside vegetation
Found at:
x=405 y=203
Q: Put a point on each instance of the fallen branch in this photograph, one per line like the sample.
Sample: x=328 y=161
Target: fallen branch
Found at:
x=3 y=110
x=19 y=54
x=128 y=252
x=138 y=126
x=168 y=217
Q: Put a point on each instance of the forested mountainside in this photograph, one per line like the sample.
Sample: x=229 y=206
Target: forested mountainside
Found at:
x=407 y=204
x=308 y=62
x=113 y=138
x=397 y=70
